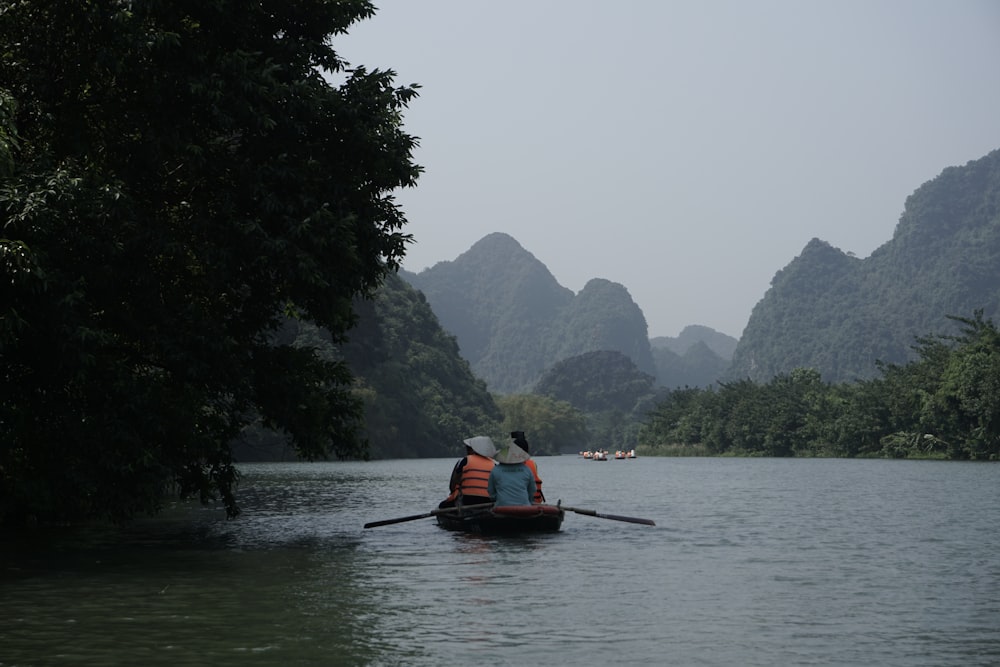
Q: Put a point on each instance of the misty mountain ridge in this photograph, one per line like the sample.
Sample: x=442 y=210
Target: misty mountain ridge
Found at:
x=827 y=309
x=721 y=344
x=513 y=320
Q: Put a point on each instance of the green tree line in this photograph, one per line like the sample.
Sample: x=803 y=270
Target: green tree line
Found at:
x=945 y=404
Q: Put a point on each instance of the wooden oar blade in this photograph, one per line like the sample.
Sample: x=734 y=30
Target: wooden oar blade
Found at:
x=386 y=522
x=630 y=519
x=613 y=517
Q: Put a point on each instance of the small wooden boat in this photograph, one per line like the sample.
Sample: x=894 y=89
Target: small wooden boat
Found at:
x=510 y=520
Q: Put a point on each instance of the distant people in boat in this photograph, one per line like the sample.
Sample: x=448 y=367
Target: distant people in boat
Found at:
x=522 y=442
x=511 y=482
x=469 y=477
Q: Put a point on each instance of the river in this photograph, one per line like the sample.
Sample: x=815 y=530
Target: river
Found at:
x=752 y=562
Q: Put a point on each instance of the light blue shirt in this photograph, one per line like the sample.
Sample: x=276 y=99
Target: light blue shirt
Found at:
x=511 y=484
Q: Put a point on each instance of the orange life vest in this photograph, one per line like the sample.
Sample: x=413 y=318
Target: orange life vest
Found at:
x=475 y=477
x=539 y=498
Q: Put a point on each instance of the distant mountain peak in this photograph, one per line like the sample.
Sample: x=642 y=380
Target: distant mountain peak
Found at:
x=721 y=344
x=513 y=319
x=496 y=240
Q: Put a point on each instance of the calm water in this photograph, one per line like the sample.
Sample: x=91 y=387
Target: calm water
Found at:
x=752 y=562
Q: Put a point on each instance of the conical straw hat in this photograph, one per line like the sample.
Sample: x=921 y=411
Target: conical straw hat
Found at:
x=512 y=454
x=482 y=445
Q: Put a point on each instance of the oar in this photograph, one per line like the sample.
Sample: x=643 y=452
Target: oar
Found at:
x=426 y=515
x=613 y=517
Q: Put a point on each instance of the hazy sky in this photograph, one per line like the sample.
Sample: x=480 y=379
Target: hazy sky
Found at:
x=685 y=149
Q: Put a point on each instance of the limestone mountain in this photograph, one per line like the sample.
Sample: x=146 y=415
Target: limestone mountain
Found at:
x=698 y=357
x=602 y=316
x=716 y=341
x=838 y=314
x=513 y=319
x=698 y=366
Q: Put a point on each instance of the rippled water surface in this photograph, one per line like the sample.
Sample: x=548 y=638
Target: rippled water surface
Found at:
x=752 y=562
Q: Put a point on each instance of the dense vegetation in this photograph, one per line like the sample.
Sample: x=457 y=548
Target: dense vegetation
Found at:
x=838 y=314
x=944 y=404
x=178 y=180
x=420 y=396
x=551 y=426
x=608 y=390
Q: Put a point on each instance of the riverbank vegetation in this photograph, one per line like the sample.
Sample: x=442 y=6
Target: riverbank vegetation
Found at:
x=944 y=405
x=177 y=182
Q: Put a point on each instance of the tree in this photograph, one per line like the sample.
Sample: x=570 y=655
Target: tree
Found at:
x=551 y=426
x=179 y=178
x=966 y=406
x=422 y=398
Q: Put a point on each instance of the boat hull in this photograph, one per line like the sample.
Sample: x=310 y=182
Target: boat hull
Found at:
x=514 y=520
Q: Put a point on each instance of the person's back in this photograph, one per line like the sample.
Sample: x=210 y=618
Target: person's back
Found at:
x=511 y=482
x=522 y=442
x=469 y=478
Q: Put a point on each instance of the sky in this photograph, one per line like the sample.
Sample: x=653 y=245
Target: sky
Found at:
x=686 y=149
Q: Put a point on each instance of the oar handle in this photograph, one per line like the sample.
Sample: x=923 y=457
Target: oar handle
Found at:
x=426 y=515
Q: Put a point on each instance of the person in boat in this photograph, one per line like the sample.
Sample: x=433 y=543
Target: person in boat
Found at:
x=470 y=475
x=522 y=442
x=511 y=482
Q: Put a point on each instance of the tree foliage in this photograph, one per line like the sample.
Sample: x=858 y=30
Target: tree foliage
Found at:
x=944 y=404
x=551 y=426
x=608 y=389
x=178 y=178
x=421 y=398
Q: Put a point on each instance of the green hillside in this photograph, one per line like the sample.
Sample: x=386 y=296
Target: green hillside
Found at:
x=420 y=396
x=839 y=314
